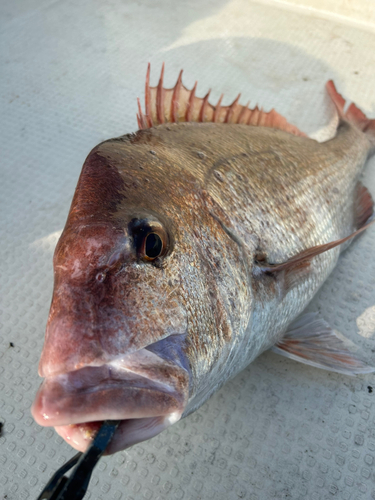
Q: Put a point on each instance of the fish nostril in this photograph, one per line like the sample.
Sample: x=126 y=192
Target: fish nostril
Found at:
x=100 y=277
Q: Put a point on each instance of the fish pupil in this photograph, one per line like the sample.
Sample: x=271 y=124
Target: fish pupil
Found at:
x=153 y=246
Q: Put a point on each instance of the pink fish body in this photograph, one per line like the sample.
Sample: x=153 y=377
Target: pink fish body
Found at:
x=190 y=248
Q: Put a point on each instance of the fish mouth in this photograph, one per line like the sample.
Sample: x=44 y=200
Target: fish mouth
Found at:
x=144 y=391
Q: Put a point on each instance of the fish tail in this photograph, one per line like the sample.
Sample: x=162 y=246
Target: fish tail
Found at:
x=353 y=115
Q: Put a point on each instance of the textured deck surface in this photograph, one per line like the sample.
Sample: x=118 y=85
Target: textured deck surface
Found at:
x=71 y=72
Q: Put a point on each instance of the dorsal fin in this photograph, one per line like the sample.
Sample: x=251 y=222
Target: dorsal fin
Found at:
x=180 y=104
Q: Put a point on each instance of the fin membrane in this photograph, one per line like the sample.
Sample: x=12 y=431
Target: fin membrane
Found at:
x=296 y=263
x=297 y=268
x=364 y=205
x=312 y=341
x=180 y=104
x=353 y=114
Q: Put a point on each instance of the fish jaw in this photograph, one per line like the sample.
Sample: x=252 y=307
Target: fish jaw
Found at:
x=128 y=433
x=141 y=389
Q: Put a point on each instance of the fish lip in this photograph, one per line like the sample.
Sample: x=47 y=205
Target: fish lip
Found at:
x=137 y=385
x=128 y=433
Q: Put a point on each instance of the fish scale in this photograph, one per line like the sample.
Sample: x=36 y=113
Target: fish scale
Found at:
x=245 y=216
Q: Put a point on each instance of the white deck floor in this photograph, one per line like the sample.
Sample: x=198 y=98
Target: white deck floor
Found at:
x=71 y=72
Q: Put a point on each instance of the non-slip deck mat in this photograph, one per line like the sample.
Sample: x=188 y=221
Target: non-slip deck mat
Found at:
x=70 y=75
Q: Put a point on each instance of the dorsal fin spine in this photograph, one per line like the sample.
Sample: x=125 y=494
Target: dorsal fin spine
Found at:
x=141 y=117
x=243 y=112
x=217 y=109
x=262 y=118
x=160 y=97
x=254 y=116
x=204 y=106
x=180 y=104
x=147 y=96
x=231 y=109
x=175 y=96
x=189 y=110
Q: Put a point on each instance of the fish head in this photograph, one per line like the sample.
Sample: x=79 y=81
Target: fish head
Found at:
x=144 y=305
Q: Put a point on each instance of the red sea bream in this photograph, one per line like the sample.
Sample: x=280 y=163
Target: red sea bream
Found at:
x=192 y=246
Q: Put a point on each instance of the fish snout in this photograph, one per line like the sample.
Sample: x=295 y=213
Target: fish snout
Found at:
x=81 y=330
x=93 y=325
x=82 y=336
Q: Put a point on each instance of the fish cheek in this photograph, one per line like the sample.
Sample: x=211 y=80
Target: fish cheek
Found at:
x=220 y=318
x=151 y=305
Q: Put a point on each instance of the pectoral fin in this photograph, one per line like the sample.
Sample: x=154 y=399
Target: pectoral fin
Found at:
x=310 y=253
x=298 y=266
x=312 y=341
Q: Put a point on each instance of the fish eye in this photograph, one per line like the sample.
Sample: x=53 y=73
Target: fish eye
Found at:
x=150 y=238
x=153 y=246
